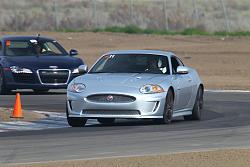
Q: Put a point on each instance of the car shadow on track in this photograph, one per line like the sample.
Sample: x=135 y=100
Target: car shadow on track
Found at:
x=208 y=116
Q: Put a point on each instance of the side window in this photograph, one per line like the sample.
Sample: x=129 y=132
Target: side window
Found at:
x=49 y=46
x=180 y=62
x=175 y=64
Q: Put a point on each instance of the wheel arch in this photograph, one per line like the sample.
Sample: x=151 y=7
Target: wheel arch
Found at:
x=202 y=87
x=172 y=89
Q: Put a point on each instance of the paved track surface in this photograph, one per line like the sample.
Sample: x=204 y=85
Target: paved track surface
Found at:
x=53 y=101
x=225 y=124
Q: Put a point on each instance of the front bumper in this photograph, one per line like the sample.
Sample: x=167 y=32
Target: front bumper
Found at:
x=33 y=81
x=144 y=106
x=14 y=85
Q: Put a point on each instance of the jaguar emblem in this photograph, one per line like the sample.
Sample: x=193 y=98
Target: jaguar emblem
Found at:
x=110 y=98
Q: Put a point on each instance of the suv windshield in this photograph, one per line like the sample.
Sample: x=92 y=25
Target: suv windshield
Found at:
x=132 y=63
x=33 y=48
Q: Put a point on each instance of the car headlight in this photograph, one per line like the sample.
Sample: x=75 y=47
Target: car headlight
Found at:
x=75 y=71
x=18 y=70
x=151 y=88
x=76 y=87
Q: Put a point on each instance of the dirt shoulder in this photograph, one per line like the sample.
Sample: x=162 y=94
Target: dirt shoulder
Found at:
x=5 y=114
x=219 y=158
x=222 y=62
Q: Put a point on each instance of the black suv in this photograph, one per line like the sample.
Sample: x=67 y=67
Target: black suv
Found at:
x=34 y=62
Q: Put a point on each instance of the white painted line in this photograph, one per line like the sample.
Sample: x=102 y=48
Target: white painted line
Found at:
x=52 y=114
x=227 y=91
x=53 y=121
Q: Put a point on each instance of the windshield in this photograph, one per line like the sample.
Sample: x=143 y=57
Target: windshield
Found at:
x=33 y=48
x=132 y=63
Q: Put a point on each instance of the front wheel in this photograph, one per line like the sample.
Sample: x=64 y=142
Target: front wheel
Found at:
x=168 y=109
x=75 y=121
x=3 y=88
x=198 y=105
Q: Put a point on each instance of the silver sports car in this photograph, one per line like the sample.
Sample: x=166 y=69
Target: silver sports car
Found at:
x=141 y=84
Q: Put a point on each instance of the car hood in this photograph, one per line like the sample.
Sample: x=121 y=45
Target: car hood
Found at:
x=125 y=79
x=44 y=62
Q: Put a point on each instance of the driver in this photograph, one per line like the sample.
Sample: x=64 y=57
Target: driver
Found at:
x=153 y=66
x=38 y=49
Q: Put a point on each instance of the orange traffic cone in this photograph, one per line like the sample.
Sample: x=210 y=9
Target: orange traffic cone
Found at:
x=17 y=112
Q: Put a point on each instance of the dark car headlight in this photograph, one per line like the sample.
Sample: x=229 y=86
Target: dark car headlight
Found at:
x=19 y=70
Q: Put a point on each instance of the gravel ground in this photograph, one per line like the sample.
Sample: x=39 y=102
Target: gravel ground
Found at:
x=218 y=158
x=221 y=61
x=28 y=115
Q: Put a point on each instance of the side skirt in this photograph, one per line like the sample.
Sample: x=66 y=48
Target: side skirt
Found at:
x=182 y=112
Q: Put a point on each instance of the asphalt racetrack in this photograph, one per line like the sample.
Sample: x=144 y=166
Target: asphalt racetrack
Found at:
x=225 y=124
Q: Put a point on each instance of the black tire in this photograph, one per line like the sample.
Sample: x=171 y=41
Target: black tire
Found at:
x=3 y=89
x=41 y=90
x=106 y=121
x=75 y=121
x=198 y=105
x=168 y=109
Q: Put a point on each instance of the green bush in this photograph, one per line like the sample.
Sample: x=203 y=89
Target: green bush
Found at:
x=236 y=33
x=136 y=30
x=70 y=30
x=126 y=29
x=194 y=31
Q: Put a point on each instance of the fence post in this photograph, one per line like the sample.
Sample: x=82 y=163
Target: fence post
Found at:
x=196 y=15
x=225 y=15
x=165 y=14
x=131 y=11
x=94 y=14
x=55 y=14
x=16 y=13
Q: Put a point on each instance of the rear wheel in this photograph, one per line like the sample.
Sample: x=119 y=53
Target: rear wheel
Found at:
x=3 y=88
x=106 y=121
x=198 y=105
x=168 y=109
x=75 y=121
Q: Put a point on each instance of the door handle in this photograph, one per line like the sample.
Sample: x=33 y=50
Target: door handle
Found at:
x=189 y=80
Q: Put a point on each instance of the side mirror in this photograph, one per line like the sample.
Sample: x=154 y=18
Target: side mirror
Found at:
x=73 y=52
x=182 y=70
x=83 y=69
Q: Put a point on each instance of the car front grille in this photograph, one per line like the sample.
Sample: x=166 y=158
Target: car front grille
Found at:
x=54 y=77
x=108 y=98
x=23 y=78
x=111 y=112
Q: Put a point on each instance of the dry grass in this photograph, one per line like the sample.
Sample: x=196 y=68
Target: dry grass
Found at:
x=25 y=15
x=223 y=63
x=220 y=158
